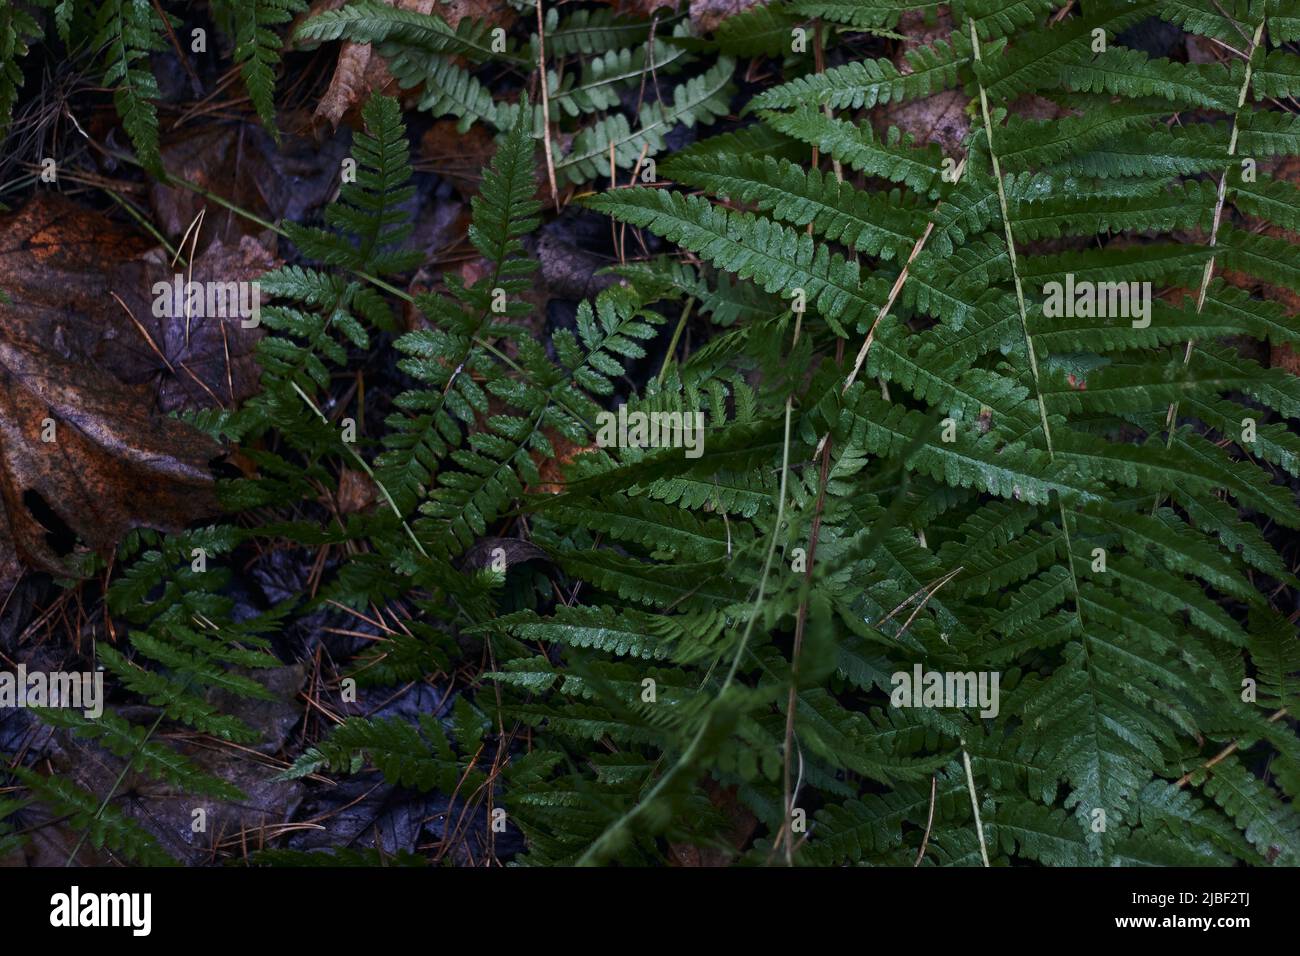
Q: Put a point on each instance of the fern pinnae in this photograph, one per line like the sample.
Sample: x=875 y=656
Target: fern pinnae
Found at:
x=894 y=292
x=128 y=33
x=18 y=29
x=504 y=209
x=790 y=742
x=257 y=47
x=591 y=31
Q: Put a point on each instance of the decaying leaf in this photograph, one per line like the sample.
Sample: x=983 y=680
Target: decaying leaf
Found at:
x=940 y=118
x=459 y=157
x=356 y=492
x=551 y=469
x=199 y=360
x=83 y=288
x=85 y=455
x=357 y=72
x=242 y=164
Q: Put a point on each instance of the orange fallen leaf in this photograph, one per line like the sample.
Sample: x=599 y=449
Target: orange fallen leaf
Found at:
x=552 y=468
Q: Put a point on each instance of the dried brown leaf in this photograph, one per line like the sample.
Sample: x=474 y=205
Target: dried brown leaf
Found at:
x=360 y=71
x=85 y=454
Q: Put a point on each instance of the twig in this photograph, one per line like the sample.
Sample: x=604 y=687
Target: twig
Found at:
x=889 y=303
x=1223 y=754
x=1011 y=246
x=974 y=805
x=546 y=107
x=928 y=590
x=929 y=822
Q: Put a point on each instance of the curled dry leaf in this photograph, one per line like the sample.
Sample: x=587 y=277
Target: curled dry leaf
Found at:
x=485 y=551
x=85 y=455
x=82 y=454
x=361 y=71
x=356 y=492
x=354 y=76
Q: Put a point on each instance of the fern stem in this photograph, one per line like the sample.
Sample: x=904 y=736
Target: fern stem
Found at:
x=170 y=180
x=1172 y=416
x=609 y=837
x=929 y=822
x=112 y=791
x=677 y=334
x=1038 y=389
x=819 y=65
x=801 y=623
x=1024 y=327
x=144 y=222
x=1011 y=244
x=365 y=466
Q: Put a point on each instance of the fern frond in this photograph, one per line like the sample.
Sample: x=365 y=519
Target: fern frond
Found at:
x=106 y=826
x=18 y=30
x=368 y=218
x=257 y=47
x=128 y=31
x=867 y=83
